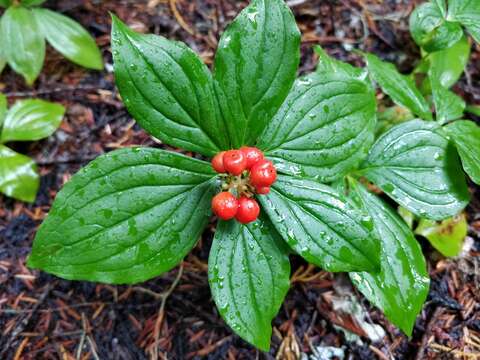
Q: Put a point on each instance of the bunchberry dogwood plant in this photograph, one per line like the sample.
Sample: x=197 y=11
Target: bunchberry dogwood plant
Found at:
x=290 y=161
x=25 y=26
x=27 y=120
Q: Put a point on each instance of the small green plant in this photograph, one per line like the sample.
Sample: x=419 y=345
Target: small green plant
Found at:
x=438 y=28
x=27 y=120
x=24 y=27
x=438 y=24
x=135 y=213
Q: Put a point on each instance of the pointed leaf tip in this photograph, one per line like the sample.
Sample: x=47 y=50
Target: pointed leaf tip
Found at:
x=69 y=38
x=168 y=89
x=401 y=287
x=248 y=273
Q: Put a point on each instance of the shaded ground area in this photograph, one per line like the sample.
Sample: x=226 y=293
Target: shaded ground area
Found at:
x=43 y=317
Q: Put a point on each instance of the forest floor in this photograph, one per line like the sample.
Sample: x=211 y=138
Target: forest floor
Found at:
x=44 y=317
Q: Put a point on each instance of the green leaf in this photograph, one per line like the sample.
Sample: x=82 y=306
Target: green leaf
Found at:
x=18 y=175
x=416 y=165
x=401 y=287
x=473 y=109
x=443 y=36
x=249 y=277
x=448 y=105
x=3 y=110
x=422 y=66
x=5 y=3
x=324 y=128
x=255 y=67
x=448 y=65
x=448 y=236
x=168 y=90
x=69 y=38
x=431 y=30
x=31 y=120
x=466 y=135
x=321 y=226
x=442 y=6
x=400 y=88
x=32 y=2
x=128 y=216
x=22 y=42
x=468 y=13
x=329 y=65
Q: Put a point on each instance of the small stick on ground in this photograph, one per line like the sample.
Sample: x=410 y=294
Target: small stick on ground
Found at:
x=161 y=311
x=82 y=338
x=183 y=24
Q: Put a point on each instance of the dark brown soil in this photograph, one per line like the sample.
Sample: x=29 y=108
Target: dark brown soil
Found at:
x=44 y=317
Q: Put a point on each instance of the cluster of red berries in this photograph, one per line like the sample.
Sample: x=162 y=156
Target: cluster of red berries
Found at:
x=250 y=173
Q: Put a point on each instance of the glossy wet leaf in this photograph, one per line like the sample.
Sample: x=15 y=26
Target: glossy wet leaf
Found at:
x=321 y=226
x=466 y=135
x=442 y=5
x=430 y=28
x=401 y=287
x=329 y=65
x=168 y=90
x=255 y=67
x=400 y=88
x=30 y=120
x=468 y=13
x=416 y=165
x=69 y=38
x=249 y=276
x=324 y=128
x=22 y=42
x=128 y=216
x=446 y=236
x=18 y=175
x=448 y=65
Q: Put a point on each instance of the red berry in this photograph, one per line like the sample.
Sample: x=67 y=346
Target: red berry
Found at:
x=217 y=162
x=248 y=210
x=225 y=205
x=263 y=174
x=234 y=162
x=263 y=190
x=252 y=154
